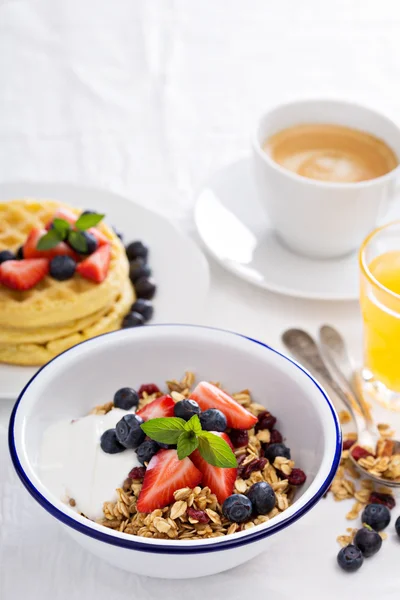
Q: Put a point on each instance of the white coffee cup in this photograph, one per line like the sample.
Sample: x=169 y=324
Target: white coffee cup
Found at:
x=317 y=218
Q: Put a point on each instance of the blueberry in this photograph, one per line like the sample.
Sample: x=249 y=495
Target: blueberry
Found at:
x=376 y=516
x=274 y=450
x=62 y=268
x=88 y=212
x=6 y=255
x=129 y=432
x=132 y=319
x=213 y=420
x=138 y=269
x=350 y=558
x=91 y=243
x=126 y=398
x=109 y=442
x=397 y=526
x=237 y=508
x=185 y=409
x=166 y=446
x=20 y=253
x=262 y=497
x=147 y=450
x=144 y=308
x=145 y=288
x=368 y=540
x=137 y=250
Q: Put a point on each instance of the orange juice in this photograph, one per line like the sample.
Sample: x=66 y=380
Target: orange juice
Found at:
x=380 y=306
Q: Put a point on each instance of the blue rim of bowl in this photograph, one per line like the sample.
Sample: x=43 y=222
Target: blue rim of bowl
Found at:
x=224 y=544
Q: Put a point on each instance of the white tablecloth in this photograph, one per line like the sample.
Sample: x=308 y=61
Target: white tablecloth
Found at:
x=147 y=98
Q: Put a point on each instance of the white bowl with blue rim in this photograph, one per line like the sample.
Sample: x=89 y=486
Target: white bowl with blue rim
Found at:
x=88 y=374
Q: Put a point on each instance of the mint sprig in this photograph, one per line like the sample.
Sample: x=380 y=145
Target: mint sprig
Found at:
x=62 y=230
x=77 y=241
x=164 y=430
x=188 y=435
x=49 y=240
x=88 y=221
x=216 y=451
x=187 y=443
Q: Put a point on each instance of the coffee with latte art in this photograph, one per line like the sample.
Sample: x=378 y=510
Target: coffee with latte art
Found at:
x=331 y=153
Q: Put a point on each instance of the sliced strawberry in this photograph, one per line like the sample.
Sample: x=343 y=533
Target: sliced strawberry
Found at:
x=95 y=266
x=164 y=475
x=102 y=239
x=63 y=213
x=220 y=481
x=160 y=407
x=208 y=395
x=23 y=274
x=30 y=250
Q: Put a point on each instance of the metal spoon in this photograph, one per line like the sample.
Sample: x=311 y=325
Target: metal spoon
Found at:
x=305 y=349
x=335 y=351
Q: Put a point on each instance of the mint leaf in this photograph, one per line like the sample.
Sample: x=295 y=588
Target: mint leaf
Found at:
x=62 y=227
x=187 y=443
x=87 y=221
x=216 y=451
x=165 y=430
x=194 y=425
x=51 y=239
x=77 y=241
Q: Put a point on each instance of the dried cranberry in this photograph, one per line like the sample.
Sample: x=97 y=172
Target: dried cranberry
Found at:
x=137 y=473
x=257 y=464
x=276 y=437
x=297 y=477
x=240 y=459
x=149 y=388
x=385 y=499
x=265 y=421
x=359 y=452
x=239 y=437
x=198 y=515
x=347 y=444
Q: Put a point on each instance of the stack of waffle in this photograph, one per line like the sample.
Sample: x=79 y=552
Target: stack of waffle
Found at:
x=38 y=324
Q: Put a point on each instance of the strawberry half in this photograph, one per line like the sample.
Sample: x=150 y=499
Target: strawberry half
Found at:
x=101 y=238
x=165 y=474
x=95 y=267
x=23 y=274
x=220 y=481
x=160 y=407
x=208 y=395
x=63 y=213
x=30 y=250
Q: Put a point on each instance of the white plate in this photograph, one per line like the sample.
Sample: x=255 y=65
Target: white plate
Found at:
x=235 y=229
x=177 y=263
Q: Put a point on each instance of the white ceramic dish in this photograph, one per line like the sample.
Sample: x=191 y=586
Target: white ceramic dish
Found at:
x=235 y=229
x=323 y=219
x=66 y=387
x=173 y=257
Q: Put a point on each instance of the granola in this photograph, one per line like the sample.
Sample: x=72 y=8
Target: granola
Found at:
x=196 y=513
x=348 y=483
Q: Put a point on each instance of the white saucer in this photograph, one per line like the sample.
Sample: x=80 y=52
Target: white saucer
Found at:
x=235 y=229
x=174 y=258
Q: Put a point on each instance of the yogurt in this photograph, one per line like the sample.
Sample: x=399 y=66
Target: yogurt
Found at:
x=73 y=465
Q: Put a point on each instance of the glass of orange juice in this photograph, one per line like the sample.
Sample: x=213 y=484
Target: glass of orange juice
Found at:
x=380 y=307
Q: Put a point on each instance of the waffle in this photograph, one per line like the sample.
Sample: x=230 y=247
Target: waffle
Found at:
x=51 y=301
x=13 y=335
x=38 y=354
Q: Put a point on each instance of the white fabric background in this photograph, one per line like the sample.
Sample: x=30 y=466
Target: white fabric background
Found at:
x=147 y=98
